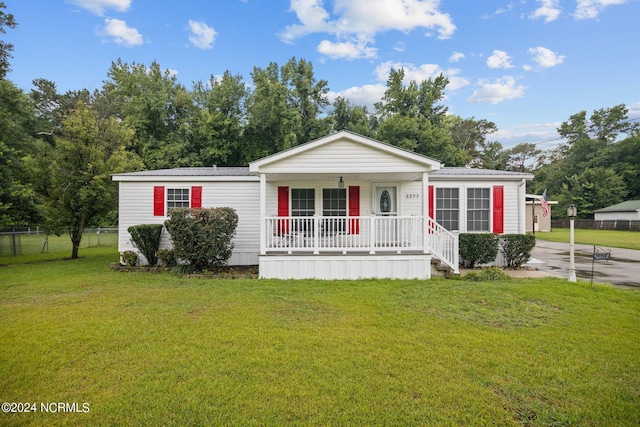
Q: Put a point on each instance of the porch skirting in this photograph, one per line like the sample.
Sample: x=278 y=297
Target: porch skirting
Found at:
x=339 y=267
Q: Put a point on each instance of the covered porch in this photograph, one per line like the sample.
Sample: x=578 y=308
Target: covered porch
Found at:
x=348 y=207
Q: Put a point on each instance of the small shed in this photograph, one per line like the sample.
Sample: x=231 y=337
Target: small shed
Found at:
x=535 y=218
x=629 y=210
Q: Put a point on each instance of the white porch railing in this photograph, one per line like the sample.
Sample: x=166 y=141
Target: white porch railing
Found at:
x=359 y=234
x=443 y=244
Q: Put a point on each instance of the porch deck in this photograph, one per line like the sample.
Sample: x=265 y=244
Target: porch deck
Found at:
x=371 y=242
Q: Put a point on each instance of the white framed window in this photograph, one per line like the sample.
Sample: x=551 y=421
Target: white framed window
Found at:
x=448 y=208
x=478 y=209
x=334 y=203
x=178 y=198
x=303 y=202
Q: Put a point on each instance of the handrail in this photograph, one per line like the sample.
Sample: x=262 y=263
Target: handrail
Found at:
x=371 y=234
x=444 y=244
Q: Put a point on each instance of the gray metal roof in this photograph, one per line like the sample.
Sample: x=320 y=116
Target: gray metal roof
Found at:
x=628 y=206
x=207 y=171
x=471 y=172
x=446 y=172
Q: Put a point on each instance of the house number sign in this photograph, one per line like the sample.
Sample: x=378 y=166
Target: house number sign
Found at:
x=412 y=196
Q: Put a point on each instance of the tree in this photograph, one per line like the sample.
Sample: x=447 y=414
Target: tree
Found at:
x=589 y=170
x=89 y=150
x=6 y=20
x=152 y=102
x=492 y=156
x=592 y=189
x=284 y=108
x=19 y=204
x=626 y=157
x=413 y=100
x=354 y=118
x=470 y=135
x=271 y=124
x=520 y=154
x=307 y=96
x=216 y=131
x=410 y=119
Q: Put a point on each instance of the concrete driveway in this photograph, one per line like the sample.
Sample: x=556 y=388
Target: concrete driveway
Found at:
x=623 y=268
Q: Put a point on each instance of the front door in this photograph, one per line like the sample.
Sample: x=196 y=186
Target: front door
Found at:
x=385 y=205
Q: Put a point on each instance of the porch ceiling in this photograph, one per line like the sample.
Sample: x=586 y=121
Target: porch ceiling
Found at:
x=371 y=177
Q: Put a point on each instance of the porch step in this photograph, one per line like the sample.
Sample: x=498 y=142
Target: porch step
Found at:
x=440 y=269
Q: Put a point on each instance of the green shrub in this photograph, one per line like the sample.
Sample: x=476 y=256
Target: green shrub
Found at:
x=146 y=237
x=130 y=258
x=203 y=237
x=487 y=274
x=478 y=249
x=516 y=248
x=167 y=257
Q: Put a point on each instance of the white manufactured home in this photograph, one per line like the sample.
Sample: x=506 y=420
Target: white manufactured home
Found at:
x=340 y=207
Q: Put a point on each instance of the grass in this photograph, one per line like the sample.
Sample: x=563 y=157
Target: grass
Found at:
x=155 y=349
x=608 y=238
x=57 y=247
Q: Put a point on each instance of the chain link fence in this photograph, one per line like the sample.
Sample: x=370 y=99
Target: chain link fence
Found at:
x=599 y=224
x=26 y=240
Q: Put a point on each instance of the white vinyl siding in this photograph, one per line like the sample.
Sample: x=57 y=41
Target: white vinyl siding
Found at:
x=340 y=155
x=136 y=207
x=514 y=207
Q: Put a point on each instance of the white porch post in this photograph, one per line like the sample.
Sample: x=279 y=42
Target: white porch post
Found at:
x=425 y=212
x=372 y=234
x=263 y=214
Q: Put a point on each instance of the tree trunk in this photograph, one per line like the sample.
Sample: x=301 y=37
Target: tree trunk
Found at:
x=76 y=237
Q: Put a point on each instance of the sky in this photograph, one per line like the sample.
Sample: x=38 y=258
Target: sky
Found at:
x=526 y=65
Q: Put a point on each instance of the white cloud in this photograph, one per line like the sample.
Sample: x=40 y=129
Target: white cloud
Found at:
x=549 y=10
x=346 y=50
x=99 y=6
x=422 y=72
x=545 y=57
x=313 y=19
x=499 y=59
x=366 y=95
x=456 y=57
x=121 y=33
x=363 y=19
x=530 y=132
x=399 y=47
x=590 y=9
x=500 y=90
x=202 y=36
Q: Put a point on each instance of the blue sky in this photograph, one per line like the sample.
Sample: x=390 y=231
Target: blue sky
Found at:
x=526 y=65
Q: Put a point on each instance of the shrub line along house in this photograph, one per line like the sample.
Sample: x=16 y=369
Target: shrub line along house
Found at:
x=340 y=207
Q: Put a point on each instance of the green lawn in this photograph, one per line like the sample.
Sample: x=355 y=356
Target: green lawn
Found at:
x=36 y=247
x=609 y=238
x=155 y=349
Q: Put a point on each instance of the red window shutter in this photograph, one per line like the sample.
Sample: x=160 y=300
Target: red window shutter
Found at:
x=283 y=209
x=158 y=200
x=354 y=209
x=498 y=209
x=196 y=197
x=432 y=202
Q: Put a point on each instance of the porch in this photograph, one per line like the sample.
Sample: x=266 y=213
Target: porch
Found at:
x=346 y=206
x=355 y=247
